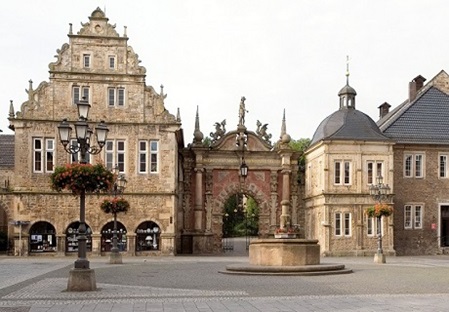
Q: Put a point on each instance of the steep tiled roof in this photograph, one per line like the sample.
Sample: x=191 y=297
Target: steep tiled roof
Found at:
x=425 y=120
x=6 y=150
x=348 y=124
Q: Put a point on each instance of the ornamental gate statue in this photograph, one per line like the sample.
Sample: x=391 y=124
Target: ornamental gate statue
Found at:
x=211 y=174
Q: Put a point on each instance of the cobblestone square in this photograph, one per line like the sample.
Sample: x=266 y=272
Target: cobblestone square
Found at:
x=188 y=283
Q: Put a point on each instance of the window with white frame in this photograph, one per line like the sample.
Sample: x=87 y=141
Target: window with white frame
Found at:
x=154 y=156
x=80 y=92
x=43 y=155
x=76 y=157
x=111 y=61
x=116 y=96
x=86 y=60
x=372 y=226
x=374 y=169
x=115 y=154
x=342 y=224
x=443 y=166
x=143 y=154
x=148 y=158
x=414 y=165
x=342 y=171
x=413 y=216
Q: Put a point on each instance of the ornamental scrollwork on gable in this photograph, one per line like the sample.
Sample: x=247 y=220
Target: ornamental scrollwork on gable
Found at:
x=58 y=56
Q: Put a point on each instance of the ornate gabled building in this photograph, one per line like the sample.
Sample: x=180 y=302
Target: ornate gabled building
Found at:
x=419 y=126
x=346 y=154
x=144 y=141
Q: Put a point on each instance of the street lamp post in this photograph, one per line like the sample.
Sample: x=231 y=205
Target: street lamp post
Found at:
x=380 y=193
x=248 y=232
x=82 y=278
x=118 y=189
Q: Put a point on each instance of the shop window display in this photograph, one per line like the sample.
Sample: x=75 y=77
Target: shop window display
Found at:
x=42 y=237
x=107 y=233
x=72 y=237
x=148 y=236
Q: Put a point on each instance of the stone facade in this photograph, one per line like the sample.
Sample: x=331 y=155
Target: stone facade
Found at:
x=324 y=199
x=97 y=63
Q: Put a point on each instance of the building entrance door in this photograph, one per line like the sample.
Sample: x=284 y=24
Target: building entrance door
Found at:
x=444 y=229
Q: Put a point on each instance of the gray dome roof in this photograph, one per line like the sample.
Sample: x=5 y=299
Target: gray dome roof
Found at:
x=348 y=124
x=347 y=90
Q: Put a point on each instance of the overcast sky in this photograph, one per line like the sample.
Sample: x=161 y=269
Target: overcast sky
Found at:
x=278 y=54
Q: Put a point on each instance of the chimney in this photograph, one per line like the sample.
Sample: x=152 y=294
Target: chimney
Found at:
x=414 y=86
x=384 y=109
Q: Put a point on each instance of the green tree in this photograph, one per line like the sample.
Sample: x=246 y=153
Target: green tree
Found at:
x=252 y=213
x=239 y=220
x=300 y=145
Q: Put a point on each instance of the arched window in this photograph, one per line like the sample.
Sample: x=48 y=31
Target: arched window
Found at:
x=107 y=233
x=71 y=237
x=42 y=237
x=148 y=236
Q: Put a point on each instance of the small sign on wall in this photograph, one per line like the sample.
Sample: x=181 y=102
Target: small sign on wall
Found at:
x=434 y=226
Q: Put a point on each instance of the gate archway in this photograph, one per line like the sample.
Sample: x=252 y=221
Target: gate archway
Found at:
x=211 y=175
x=240 y=222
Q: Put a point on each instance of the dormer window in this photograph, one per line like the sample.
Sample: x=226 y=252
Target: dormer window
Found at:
x=86 y=60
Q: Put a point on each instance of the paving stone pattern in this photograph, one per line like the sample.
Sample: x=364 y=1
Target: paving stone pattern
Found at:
x=194 y=284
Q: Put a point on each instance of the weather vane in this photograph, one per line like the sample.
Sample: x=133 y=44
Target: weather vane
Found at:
x=347 y=69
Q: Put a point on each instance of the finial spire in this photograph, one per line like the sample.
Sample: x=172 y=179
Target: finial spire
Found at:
x=197 y=134
x=197 y=119
x=178 y=115
x=347 y=70
x=284 y=125
x=285 y=137
x=11 y=109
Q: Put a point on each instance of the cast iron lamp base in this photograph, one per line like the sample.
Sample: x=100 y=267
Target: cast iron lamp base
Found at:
x=82 y=280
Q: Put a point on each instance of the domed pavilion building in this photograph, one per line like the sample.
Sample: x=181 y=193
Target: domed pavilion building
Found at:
x=346 y=155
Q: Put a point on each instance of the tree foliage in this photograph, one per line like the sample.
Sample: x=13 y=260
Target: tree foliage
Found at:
x=301 y=145
x=239 y=219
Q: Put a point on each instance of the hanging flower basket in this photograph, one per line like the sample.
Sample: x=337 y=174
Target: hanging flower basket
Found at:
x=379 y=210
x=77 y=177
x=114 y=205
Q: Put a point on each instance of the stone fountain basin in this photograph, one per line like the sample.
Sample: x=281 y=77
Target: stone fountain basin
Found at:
x=284 y=252
x=285 y=256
